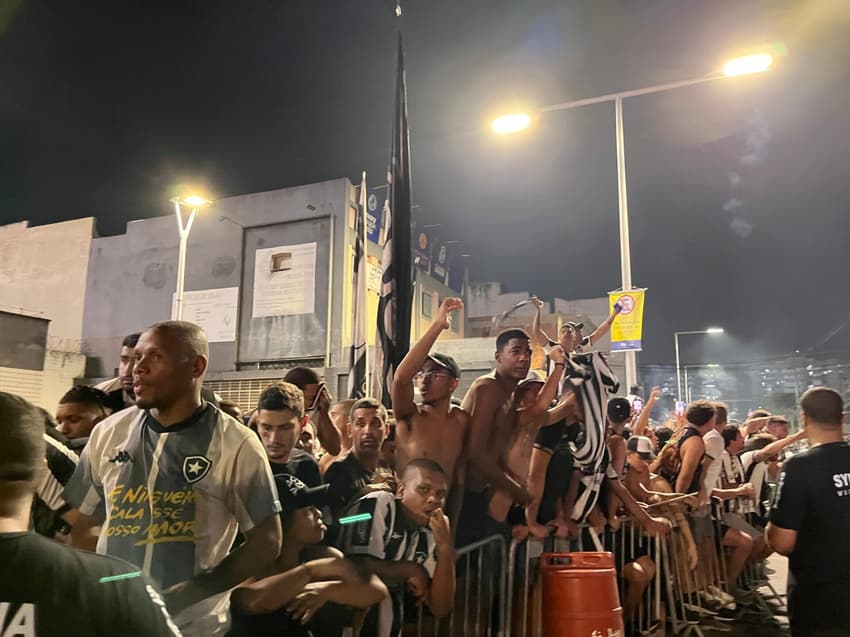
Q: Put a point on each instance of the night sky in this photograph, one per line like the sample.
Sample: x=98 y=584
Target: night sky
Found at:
x=738 y=189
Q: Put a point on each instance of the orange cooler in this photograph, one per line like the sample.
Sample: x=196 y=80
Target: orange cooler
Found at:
x=580 y=596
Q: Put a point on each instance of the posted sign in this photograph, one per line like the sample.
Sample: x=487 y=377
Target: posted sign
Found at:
x=627 y=329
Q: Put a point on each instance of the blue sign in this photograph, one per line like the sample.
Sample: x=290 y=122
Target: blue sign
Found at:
x=375 y=213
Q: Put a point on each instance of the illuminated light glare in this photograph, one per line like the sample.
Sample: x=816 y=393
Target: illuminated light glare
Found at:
x=748 y=64
x=714 y=330
x=195 y=201
x=512 y=123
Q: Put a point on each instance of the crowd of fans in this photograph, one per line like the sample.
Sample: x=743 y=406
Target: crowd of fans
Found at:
x=309 y=516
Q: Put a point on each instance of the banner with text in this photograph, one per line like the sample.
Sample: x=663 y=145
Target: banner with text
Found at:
x=627 y=329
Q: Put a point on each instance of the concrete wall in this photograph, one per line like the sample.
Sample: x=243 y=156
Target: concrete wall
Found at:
x=132 y=277
x=43 y=272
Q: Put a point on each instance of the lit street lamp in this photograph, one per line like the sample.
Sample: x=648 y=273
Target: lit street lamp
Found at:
x=676 y=335
x=195 y=203
x=516 y=122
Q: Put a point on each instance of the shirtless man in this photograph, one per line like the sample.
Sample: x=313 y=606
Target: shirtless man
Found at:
x=492 y=421
x=434 y=429
x=532 y=400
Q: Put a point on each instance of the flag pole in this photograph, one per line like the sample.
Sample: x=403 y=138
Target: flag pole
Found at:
x=364 y=203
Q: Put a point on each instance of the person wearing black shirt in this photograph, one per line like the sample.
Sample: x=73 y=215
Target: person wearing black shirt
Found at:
x=810 y=521
x=350 y=478
x=42 y=583
x=278 y=421
x=310 y=589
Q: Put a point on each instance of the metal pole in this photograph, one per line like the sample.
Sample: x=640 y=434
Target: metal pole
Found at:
x=687 y=386
x=181 y=257
x=678 y=370
x=623 y=206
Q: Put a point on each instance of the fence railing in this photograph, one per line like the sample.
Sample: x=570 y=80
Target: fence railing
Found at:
x=499 y=589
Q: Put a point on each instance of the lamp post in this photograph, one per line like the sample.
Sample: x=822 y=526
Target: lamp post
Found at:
x=195 y=203
x=516 y=122
x=676 y=335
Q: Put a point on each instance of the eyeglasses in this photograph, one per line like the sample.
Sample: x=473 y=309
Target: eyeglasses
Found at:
x=431 y=374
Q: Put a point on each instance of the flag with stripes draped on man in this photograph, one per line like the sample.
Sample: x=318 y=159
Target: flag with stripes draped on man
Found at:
x=395 y=305
x=357 y=355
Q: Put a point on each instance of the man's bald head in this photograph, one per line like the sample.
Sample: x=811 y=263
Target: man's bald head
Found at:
x=189 y=339
x=823 y=407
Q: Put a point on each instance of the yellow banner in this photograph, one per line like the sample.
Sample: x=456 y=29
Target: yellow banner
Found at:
x=627 y=329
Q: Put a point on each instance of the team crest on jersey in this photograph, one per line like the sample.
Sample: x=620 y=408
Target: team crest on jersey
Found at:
x=195 y=468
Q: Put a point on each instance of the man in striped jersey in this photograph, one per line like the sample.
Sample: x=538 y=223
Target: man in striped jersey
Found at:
x=406 y=541
x=169 y=480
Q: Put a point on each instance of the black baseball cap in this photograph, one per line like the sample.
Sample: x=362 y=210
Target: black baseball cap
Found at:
x=295 y=494
x=619 y=409
x=446 y=362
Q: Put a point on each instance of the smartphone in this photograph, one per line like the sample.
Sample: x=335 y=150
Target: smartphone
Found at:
x=637 y=405
x=680 y=407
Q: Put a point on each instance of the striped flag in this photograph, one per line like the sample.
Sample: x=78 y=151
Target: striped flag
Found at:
x=395 y=305
x=357 y=356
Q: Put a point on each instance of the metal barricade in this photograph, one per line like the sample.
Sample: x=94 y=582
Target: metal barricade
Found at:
x=628 y=543
x=481 y=595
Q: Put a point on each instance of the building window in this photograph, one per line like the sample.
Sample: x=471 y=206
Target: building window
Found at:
x=426 y=304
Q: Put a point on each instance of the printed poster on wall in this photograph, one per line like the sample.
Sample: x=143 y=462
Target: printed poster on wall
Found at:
x=627 y=328
x=213 y=310
x=285 y=280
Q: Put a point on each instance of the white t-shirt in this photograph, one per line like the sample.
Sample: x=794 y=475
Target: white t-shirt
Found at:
x=713 y=462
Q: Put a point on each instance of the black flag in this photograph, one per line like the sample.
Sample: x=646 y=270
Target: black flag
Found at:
x=394 y=307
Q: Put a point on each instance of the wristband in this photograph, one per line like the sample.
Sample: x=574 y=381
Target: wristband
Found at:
x=561 y=364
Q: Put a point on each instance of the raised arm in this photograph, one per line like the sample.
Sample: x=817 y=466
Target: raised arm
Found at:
x=602 y=330
x=540 y=337
x=326 y=430
x=643 y=419
x=777 y=446
x=481 y=403
x=567 y=407
x=534 y=413
x=402 y=389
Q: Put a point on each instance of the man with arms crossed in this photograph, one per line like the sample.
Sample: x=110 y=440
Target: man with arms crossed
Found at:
x=169 y=480
x=810 y=521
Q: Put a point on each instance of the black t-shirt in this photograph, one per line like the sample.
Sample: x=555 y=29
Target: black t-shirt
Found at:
x=813 y=498
x=556 y=440
x=346 y=479
x=301 y=465
x=696 y=480
x=51 y=590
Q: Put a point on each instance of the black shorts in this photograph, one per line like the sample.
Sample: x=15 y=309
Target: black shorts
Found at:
x=475 y=522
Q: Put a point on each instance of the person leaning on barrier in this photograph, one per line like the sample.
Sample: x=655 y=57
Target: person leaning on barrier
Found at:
x=47 y=589
x=810 y=521
x=172 y=478
x=406 y=541
x=307 y=589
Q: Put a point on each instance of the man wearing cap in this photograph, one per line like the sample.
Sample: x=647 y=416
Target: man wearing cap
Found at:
x=309 y=589
x=434 y=429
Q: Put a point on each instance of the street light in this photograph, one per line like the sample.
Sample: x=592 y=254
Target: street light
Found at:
x=194 y=202
x=511 y=123
x=516 y=122
x=676 y=335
